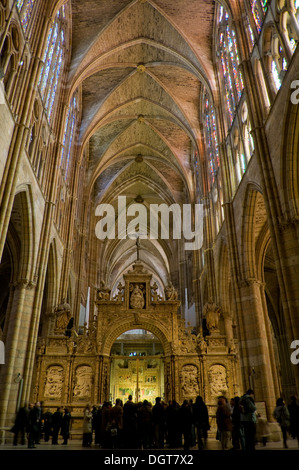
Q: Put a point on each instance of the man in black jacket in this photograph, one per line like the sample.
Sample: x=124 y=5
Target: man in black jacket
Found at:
x=159 y=423
x=201 y=419
x=56 y=424
x=248 y=419
x=34 y=418
x=21 y=425
x=66 y=425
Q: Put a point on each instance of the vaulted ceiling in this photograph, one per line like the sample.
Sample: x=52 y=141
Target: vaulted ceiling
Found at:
x=142 y=66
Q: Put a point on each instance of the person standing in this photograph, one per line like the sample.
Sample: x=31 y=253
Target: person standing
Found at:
x=282 y=416
x=158 y=416
x=65 y=425
x=186 y=419
x=248 y=419
x=201 y=419
x=21 y=424
x=117 y=421
x=47 y=418
x=145 y=424
x=130 y=424
x=294 y=418
x=224 y=423
x=87 y=427
x=34 y=418
x=56 y=424
x=172 y=415
x=237 y=432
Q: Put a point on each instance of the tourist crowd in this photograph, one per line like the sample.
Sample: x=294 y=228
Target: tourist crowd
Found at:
x=146 y=426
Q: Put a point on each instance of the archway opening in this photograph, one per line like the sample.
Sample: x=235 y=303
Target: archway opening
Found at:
x=137 y=367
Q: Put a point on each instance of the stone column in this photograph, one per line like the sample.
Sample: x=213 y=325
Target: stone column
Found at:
x=255 y=345
x=16 y=339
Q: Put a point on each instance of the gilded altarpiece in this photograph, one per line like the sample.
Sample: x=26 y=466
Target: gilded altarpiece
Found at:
x=75 y=370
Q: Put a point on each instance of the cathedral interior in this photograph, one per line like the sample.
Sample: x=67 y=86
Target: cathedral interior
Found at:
x=115 y=108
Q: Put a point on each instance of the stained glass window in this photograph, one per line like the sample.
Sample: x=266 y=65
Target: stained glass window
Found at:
x=20 y=4
x=25 y=8
x=230 y=64
x=275 y=74
x=211 y=139
x=250 y=36
x=53 y=62
x=213 y=159
x=258 y=9
x=69 y=133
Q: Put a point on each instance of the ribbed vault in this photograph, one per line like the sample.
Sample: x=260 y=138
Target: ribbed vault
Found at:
x=142 y=67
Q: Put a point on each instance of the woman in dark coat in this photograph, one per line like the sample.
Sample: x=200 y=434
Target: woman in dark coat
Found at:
x=21 y=425
x=224 y=423
x=56 y=425
x=186 y=420
x=201 y=418
x=145 y=424
x=65 y=426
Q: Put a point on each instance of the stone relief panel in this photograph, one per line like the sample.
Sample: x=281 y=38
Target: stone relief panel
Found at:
x=218 y=380
x=54 y=382
x=189 y=380
x=83 y=382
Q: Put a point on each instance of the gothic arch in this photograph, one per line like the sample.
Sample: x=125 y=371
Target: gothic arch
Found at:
x=154 y=326
x=289 y=159
x=253 y=220
x=22 y=217
x=50 y=291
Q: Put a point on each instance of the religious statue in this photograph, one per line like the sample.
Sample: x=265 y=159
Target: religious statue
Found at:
x=170 y=292
x=104 y=292
x=232 y=346
x=119 y=295
x=63 y=316
x=156 y=297
x=201 y=343
x=137 y=296
x=212 y=313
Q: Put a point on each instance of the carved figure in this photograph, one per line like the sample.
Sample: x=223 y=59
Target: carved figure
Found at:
x=63 y=315
x=189 y=380
x=201 y=343
x=232 y=346
x=217 y=380
x=155 y=295
x=104 y=292
x=212 y=313
x=83 y=382
x=119 y=295
x=137 y=297
x=54 y=382
x=171 y=293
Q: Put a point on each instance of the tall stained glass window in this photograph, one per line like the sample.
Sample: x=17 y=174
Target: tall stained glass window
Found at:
x=212 y=151
x=230 y=63
x=211 y=139
x=53 y=61
x=258 y=9
x=69 y=135
x=25 y=8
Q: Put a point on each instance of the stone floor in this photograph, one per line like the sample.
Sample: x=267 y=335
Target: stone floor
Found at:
x=212 y=445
